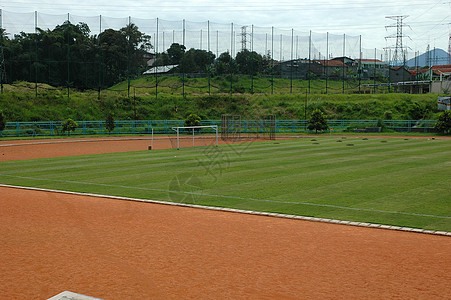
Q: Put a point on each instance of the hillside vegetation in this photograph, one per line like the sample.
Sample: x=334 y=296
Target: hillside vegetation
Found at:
x=19 y=103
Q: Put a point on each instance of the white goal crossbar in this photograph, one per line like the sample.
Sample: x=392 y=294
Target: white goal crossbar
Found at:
x=193 y=128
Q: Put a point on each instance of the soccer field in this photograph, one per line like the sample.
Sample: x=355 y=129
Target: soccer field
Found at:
x=396 y=181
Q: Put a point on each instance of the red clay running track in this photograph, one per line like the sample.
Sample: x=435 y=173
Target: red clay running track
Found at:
x=44 y=148
x=114 y=249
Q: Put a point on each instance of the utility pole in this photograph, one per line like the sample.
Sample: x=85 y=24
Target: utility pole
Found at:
x=2 y=62
x=449 y=49
x=2 y=57
x=398 y=54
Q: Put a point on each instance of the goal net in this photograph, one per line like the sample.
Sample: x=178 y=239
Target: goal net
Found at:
x=193 y=136
x=235 y=129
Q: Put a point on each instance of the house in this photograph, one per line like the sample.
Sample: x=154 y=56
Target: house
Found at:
x=298 y=68
x=373 y=69
x=333 y=69
x=439 y=72
x=346 y=60
x=159 y=70
x=149 y=58
x=400 y=74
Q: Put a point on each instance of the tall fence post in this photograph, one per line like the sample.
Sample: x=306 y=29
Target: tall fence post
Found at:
x=252 y=60
x=208 y=46
x=309 y=58
x=36 y=54
x=344 y=65
x=68 y=58
x=326 y=61
x=291 y=68
x=231 y=59
x=128 y=59
x=183 y=62
x=155 y=66
x=99 y=45
x=272 y=60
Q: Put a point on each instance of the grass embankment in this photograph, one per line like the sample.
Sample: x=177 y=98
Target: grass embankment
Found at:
x=21 y=104
x=396 y=181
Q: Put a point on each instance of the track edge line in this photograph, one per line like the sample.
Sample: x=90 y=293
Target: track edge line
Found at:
x=241 y=211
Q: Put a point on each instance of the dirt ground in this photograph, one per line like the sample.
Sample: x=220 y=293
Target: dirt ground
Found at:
x=44 y=148
x=114 y=249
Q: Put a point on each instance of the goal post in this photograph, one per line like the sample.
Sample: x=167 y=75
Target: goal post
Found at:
x=234 y=129
x=194 y=133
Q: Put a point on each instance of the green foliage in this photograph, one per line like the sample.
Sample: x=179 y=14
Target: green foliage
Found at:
x=2 y=121
x=443 y=124
x=224 y=64
x=20 y=104
x=195 y=61
x=192 y=120
x=175 y=53
x=69 y=125
x=69 y=56
x=109 y=122
x=317 y=121
x=249 y=62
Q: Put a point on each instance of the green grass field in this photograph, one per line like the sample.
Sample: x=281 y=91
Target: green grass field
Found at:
x=388 y=181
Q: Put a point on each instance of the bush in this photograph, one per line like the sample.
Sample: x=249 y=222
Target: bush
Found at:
x=317 y=121
x=443 y=124
x=388 y=115
x=69 y=125
x=2 y=122
x=109 y=123
x=192 y=120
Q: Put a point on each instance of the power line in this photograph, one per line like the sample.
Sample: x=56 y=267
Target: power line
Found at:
x=182 y=7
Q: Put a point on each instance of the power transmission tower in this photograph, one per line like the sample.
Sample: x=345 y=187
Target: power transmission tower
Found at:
x=398 y=58
x=243 y=38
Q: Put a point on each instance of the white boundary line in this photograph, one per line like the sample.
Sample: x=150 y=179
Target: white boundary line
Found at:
x=249 y=212
x=232 y=197
x=67 y=141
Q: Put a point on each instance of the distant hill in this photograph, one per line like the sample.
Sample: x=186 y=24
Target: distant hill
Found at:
x=436 y=57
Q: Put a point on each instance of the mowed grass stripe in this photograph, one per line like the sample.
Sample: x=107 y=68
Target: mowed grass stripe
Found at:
x=129 y=166
x=397 y=176
x=302 y=173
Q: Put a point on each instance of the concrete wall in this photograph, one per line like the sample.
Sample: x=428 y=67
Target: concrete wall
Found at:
x=441 y=87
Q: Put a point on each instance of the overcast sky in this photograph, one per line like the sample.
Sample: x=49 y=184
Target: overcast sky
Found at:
x=428 y=21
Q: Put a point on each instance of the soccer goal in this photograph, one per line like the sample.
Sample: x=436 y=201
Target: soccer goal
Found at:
x=234 y=129
x=193 y=136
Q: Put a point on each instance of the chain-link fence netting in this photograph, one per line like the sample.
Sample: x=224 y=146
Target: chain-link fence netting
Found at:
x=41 y=51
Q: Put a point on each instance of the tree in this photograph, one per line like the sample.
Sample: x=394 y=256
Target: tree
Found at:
x=224 y=64
x=192 y=120
x=109 y=123
x=196 y=60
x=249 y=62
x=443 y=124
x=175 y=53
x=2 y=122
x=113 y=56
x=69 y=55
x=317 y=121
x=69 y=125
